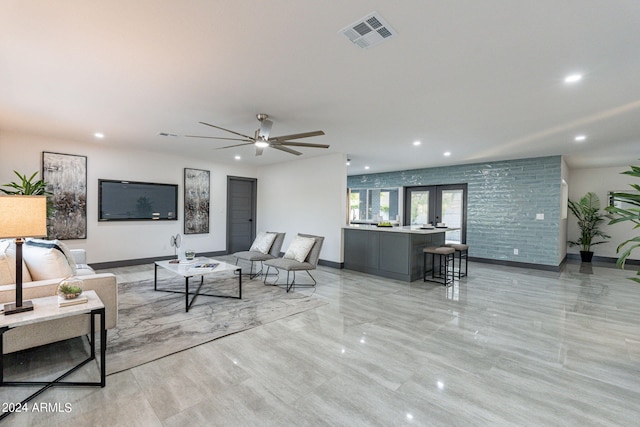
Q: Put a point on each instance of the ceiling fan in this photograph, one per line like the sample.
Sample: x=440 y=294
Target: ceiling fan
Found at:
x=262 y=140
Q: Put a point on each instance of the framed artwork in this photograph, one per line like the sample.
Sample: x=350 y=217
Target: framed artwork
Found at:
x=66 y=178
x=196 y=201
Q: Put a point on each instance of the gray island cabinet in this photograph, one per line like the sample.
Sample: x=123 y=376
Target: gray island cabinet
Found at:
x=395 y=252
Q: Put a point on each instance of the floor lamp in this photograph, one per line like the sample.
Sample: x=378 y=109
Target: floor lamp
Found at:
x=20 y=217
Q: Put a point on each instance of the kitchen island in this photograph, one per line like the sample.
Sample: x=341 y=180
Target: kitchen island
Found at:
x=392 y=252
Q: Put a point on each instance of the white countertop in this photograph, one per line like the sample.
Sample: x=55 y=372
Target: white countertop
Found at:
x=404 y=229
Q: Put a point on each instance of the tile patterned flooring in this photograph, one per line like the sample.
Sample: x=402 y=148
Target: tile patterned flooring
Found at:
x=504 y=346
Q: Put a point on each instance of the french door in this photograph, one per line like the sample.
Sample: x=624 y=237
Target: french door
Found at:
x=438 y=203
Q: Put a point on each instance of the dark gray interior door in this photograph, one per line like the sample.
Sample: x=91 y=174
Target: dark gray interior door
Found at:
x=241 y=213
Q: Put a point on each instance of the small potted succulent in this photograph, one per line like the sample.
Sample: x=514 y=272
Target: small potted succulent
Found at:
x=69 y=289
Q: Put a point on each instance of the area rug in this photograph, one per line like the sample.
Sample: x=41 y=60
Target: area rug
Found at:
x=154 y=324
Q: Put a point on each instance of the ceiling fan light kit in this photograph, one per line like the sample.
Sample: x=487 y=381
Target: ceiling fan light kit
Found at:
x=262 y=140
x=261 y=143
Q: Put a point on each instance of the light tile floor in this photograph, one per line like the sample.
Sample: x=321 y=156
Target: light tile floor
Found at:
x=505 y=346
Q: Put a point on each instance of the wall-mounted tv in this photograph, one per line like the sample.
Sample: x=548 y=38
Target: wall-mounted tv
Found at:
x=136 y=201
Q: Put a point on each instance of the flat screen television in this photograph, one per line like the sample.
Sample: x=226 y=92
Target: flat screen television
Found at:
x=136 y=201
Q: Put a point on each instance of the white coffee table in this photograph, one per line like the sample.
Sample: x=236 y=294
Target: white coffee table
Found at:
x=188 y=270
x=45 y=309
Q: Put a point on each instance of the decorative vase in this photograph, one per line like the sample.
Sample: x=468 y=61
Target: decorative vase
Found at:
x=586 y=256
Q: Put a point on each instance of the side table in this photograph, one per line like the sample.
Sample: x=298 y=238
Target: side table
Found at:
x=47 y=309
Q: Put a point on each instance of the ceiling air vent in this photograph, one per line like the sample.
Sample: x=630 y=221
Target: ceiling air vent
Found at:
x=368 y=31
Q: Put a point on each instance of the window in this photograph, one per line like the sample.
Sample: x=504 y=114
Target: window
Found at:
x=374 y=205
x=354 y=206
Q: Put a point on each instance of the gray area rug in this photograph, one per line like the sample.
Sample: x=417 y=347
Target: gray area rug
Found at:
x=154 y=324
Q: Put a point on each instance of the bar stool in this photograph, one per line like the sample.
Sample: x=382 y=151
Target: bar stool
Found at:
x=462 y=250
x=445 y=257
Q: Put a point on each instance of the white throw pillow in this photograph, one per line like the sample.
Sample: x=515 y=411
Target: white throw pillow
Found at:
x=8 y=264
x=299 y=248
x=56 y=244
x=46 y=261
x=263 y=242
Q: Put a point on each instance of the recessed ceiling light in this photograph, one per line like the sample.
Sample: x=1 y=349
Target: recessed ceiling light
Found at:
x=447 y=153
x=98 y=135
x=573 y=78
x=416 y=143
x=580 y=138
x=366 y=167
x=237 y=157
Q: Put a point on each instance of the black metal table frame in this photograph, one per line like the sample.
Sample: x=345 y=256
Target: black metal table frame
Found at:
x=58 y=381
x=189 y=303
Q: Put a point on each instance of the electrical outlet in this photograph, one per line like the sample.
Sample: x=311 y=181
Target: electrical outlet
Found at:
x=515 y=251
x=539 y=216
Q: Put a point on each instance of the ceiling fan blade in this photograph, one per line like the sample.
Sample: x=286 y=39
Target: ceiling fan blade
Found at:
x=265 y=128
x=226 y=130
x=259 y=151
x=217 y=137
x=236 y=145
x=288 y=150
x=302 y=144
x=296 y=136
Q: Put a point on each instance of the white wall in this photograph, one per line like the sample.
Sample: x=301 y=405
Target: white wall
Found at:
x=115 y=241
x=601 y=181
x=305 y=196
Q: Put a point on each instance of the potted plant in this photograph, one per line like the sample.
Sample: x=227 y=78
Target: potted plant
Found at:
x=69 y=289
x=627 y=210
x=587 y=210
x=26 y=186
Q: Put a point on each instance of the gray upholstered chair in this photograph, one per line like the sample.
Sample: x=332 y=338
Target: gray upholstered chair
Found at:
x=255 y=256
x=291 y=265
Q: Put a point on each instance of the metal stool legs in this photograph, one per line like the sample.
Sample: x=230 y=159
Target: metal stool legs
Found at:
x=446 y=263
x=462 y=250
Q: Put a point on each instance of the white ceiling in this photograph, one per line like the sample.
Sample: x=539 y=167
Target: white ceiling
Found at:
x=481 y=79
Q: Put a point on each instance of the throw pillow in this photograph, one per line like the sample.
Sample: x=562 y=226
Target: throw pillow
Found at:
x=299 y=248
x=55 y=244
x=46 y=260
x=8 y=264
x=263 y=242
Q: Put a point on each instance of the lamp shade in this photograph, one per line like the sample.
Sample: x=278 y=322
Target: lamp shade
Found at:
x=23 y=216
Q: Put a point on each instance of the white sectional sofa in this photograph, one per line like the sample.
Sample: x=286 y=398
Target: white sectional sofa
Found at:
x=45 y=264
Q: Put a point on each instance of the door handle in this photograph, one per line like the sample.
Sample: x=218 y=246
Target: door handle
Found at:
x=250 y=220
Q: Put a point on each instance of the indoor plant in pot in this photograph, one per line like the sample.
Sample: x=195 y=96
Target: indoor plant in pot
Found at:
x=587 y=210
x=27 y=186
x=626 y=207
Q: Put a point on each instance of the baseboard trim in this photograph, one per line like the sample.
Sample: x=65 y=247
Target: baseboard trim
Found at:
x=516 y=264
x=140 y=261
x=331 y=264
x=151 y=260
x=604 y=259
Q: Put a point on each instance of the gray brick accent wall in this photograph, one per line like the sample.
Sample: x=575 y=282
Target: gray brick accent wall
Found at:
x=503 y=200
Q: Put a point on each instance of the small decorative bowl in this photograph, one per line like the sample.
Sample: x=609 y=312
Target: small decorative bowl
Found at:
x=190 y=254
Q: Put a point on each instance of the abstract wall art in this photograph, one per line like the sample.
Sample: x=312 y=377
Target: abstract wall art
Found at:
x=196 y=201
x=66 y=178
